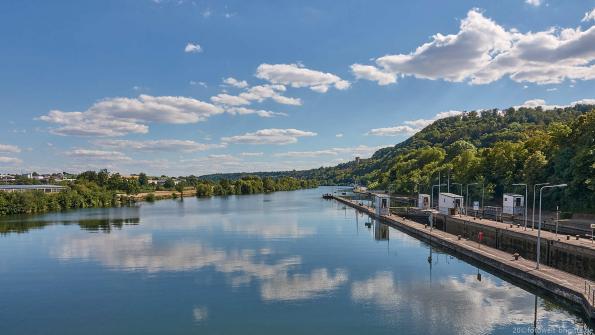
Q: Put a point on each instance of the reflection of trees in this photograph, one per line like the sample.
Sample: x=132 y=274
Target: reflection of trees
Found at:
x=103 y=225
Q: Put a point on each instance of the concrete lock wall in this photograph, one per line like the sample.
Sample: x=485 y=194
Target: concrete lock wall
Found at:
x=570 y=258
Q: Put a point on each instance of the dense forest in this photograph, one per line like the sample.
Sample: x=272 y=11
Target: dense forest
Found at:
x=104 y=189
x=493 y=147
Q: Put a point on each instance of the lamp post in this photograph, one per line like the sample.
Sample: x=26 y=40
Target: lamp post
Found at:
x=525 y=201
x=539 y=223
x=533 y=212
x=467 y=201
x=432 y=195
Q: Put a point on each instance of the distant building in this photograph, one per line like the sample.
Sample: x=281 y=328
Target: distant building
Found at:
x=423 y=201
x=450 y=203
x=513 y=204
x=21 y=188
x=357 y=160
x=382 y=203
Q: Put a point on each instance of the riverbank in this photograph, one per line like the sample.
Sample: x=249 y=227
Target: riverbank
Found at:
x=554 y=281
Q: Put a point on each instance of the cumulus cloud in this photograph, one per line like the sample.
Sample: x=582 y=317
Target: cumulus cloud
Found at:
x=372 y=73
x=121 y=116
x=411 y=127
x=482 y=52
x=269 y=136
x=589 y=16
x=361 y=151
x=193 y=48
x=229 y=100
x=393 y=131
x=302 y=286
x=533 y=103
x=158 y=145
x=9 y=161
x=235 y=83
x=295 y=75
x=257 y=93
x=7 y=148
x=535 y=3
x=98 y=155
x=252 y=154
x=246 y=111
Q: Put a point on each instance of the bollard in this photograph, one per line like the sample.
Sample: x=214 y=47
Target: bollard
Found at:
x=577 y=237
x=516 y=256
x=567 y=237
x=459 y=237
x=511 y=225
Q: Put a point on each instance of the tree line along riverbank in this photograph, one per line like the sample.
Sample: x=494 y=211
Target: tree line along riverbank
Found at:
x=102 y=189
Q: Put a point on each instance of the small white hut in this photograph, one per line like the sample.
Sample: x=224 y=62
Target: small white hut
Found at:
x=513 y=204
x=450 y=203
x=382 y=203
x=423 y=201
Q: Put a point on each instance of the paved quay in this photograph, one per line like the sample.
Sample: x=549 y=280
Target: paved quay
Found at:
x=583 y=241
x=562 y=284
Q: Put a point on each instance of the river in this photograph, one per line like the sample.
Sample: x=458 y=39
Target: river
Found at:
x=280 y=263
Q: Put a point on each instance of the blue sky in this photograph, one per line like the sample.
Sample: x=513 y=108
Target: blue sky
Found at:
x=196 y=87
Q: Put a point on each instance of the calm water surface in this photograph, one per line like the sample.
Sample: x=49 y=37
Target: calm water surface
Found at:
x=282 y=263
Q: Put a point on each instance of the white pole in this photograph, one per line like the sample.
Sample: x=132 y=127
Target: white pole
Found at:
x=526 y=195
x=533 y=212
x=539 y=223
x=539 y=230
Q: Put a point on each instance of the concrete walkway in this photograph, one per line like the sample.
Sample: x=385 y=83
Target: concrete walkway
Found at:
x=582 y=241
x=560 y=283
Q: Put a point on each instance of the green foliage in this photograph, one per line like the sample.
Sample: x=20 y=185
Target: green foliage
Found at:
x=498 y=148
x=250 y=185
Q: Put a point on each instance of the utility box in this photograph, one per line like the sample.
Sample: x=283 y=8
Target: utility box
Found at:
x=423 y=201
x=382 y=204
x=513 y=204
x=450 y=203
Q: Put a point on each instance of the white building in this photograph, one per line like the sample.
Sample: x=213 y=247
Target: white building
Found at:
x=450 y=203
x=423 y=201
x=513 y=204
x=382 y=203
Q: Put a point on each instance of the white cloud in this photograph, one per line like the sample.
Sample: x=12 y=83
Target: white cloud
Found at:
x=193 y=48
x=339 y=135
x=589 y=16
x=533 y=103
x=246 y=111
x=235 y=83
x=297 y=76
x=229 y=100
x=198 y=83
x=9 y=161
x=411 y=127
x=373 y=73
x=482 y=52
x=302 y=286
x=393 y=131
x=98 y=155
x=269 y=136
x=252 y=154
x=361 y=151
x=121 y=116
x=158 y=145
x=7 y=148
x=535 y=3
x=200 y=313
x=262 y=92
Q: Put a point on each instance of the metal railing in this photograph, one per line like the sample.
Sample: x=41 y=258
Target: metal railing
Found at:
x=590 y=292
